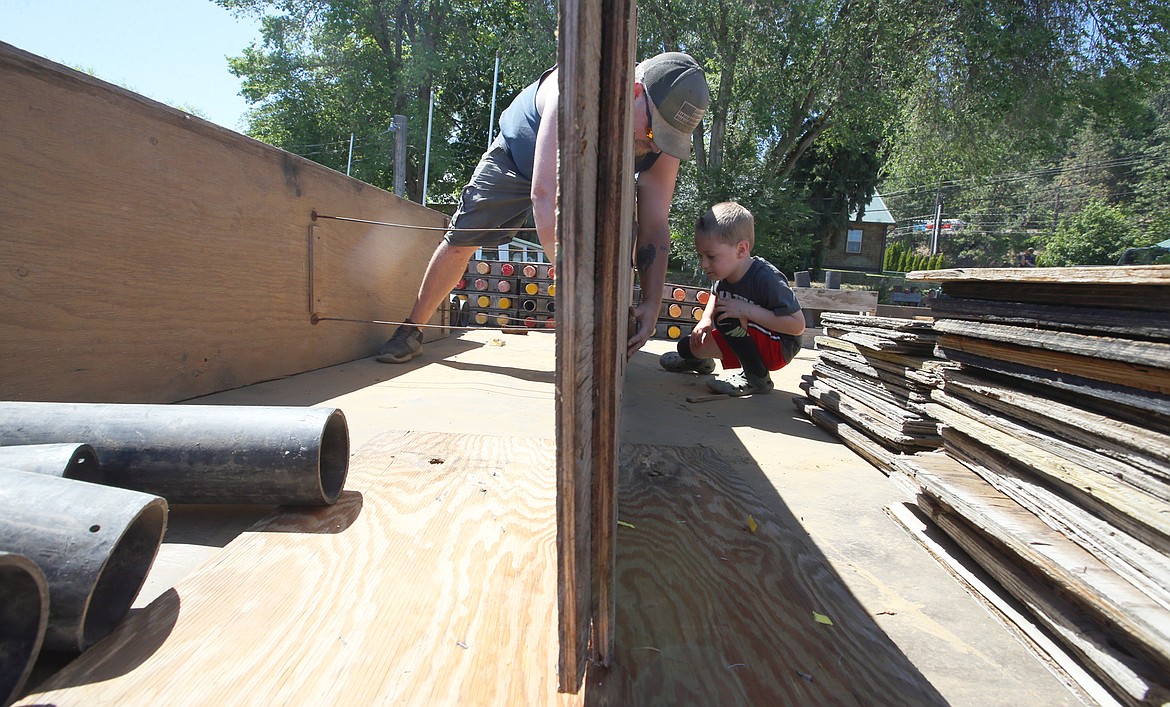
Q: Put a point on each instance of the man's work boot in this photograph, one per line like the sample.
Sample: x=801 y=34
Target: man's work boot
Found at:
x=403 y=346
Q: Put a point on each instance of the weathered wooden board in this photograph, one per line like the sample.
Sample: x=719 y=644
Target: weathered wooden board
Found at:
x=613 y=244
x=869 y=450
x=1136 y=352
x=595 y=215
x=1145 y=298
x=1142 y=287
x=1118 y=609
x=911 y=364
x=1011 y=613
x=1087 y=457
x=844 y=321
x=872 y=422
x=1139 y=513
x=578 y=270
x=893 y=377
x=1132 y=681
x=1133 y=275
x=153 y=257
x=1126 y=373
x=1127 y=323
x=431 y=581
x=819 y=299
x=1121 y=402
x=712 y=613
x=900 y=395
x=892 y=411
x=1138 y=446
x=883 y=339
x=1143 y=566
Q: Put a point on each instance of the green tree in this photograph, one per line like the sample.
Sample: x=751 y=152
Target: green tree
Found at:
x=893 y=253
x=326 y=69
x=1096 y=235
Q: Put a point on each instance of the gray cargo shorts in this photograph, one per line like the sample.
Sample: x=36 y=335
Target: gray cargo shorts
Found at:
x=496 y=197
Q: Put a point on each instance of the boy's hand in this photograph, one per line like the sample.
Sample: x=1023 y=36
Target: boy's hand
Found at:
x=726 y=306
x=702 y=332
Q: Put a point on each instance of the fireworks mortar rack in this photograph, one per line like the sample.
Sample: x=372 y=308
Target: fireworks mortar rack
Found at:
x=682 y=308
x=507 y=294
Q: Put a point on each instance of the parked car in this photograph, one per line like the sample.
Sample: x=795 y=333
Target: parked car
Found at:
x=1150 y=255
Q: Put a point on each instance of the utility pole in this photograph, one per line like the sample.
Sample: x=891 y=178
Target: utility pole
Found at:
x=492 y=117
x=1056 y=210
x=399 y=129
x=427 y=159
x=937 y=219
x=349 y=162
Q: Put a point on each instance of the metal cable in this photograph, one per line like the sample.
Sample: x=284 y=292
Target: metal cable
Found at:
x=520 y=324
x=316 y=216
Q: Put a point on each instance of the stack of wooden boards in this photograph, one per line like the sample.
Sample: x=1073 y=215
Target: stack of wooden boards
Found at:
x=1055 y=474
x=871 y=375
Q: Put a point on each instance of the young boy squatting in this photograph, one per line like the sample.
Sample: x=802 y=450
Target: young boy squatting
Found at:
x=752 y=321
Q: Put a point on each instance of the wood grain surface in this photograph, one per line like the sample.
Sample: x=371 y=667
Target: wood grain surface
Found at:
x=712 y=613
x=1088 y=275
x=432 y=581
x=1054 y=565
x=1125 y=373
x=578 y=272
x=153 y=257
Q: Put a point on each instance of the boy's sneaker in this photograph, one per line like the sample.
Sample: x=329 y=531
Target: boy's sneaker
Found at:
x=741 y=383
x=675 y=363
x=403 y=346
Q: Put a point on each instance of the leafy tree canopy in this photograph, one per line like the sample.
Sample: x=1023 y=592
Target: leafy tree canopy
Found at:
x=1015 y=115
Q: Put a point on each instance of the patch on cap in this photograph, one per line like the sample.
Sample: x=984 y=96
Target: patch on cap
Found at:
x=689 y=115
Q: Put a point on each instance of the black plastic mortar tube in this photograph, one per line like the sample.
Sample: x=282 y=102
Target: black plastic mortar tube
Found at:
x=69 y=460
x=198 y=453
x=95 y=545
x=24 y=615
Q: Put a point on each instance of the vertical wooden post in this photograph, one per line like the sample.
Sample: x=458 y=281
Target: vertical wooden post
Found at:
x=579 y=62
x=594 y=222
x=614 y=247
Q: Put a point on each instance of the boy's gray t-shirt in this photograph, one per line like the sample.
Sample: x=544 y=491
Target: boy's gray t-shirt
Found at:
x=765 y=285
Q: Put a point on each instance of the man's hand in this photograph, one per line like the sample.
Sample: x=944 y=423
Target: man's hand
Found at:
x=645 y=316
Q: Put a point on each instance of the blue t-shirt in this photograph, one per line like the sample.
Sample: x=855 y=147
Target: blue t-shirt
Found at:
x=518 y=126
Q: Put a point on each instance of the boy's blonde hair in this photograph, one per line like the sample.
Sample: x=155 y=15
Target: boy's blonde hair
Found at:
x=729 y=223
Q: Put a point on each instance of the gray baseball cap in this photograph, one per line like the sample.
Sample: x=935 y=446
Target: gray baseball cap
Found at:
x=679 y=98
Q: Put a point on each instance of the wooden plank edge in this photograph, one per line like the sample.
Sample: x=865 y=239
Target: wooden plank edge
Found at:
x=1004 y=608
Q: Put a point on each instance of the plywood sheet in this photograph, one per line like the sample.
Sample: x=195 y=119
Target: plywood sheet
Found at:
x=712 y=613
x=432 y=581
x=152 y=257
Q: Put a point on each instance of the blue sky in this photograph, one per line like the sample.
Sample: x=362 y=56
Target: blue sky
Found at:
x=173 y=51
